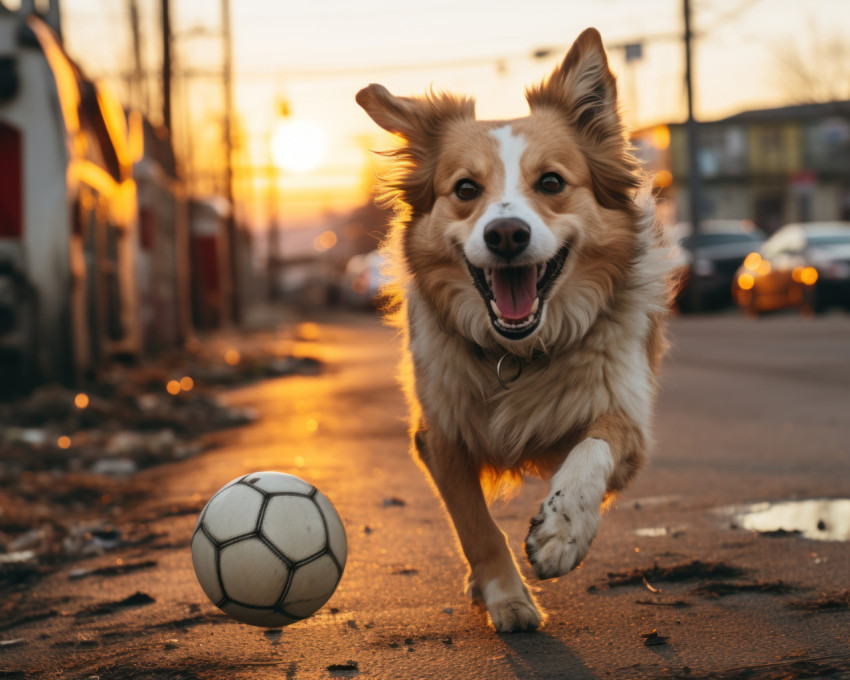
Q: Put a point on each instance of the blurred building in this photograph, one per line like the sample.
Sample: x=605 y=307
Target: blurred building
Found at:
x=67 y=211
x=212 y=288
x=94 y=220
x=789 y=164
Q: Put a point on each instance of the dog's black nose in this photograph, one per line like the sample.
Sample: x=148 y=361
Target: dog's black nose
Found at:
x=507 y=237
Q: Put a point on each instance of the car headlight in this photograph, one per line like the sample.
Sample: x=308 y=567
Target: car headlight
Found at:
x=746 y=281
x=752 y=261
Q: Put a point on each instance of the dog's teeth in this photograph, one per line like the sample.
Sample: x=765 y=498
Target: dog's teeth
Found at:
x=530 y=320
x=495 y=308
x=541 y=270
x=535 y=306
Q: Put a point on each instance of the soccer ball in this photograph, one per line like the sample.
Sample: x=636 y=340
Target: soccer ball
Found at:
x=269 y=549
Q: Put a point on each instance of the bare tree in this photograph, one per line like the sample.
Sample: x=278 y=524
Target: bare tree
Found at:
x=815 y=67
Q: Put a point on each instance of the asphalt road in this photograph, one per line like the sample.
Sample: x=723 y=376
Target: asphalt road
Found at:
x=749 y=412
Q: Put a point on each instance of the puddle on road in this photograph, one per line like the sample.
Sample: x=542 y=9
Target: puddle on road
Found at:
x=824 y=519
x=651 y=532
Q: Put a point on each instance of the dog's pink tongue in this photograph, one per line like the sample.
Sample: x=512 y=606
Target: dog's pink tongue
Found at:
x=515 y=289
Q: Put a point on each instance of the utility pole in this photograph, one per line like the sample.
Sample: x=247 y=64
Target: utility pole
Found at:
x=691 y=127
x=140 y=90
x=166 y=66
x=232 y=232
x=694 y=184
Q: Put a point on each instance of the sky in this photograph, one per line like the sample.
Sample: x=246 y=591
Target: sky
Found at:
x=314 y=56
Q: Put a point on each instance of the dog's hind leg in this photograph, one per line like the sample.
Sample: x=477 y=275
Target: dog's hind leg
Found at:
x=560 y=535
x=493 y=570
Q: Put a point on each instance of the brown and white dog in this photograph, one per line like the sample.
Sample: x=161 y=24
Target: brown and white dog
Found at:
x=533 y=285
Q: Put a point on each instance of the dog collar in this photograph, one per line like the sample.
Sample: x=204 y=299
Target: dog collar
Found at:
x=509 y=365
x=505 y=381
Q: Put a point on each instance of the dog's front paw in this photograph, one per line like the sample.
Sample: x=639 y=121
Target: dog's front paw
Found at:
x=511 y=610
x=560 y=535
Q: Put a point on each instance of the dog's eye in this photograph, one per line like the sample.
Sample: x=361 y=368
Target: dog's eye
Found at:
x=466 y=189
x=551 y=183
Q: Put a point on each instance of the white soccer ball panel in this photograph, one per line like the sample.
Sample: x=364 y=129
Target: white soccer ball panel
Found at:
x=203 y=559
x=257 y=617
x=336 y=531
x=207 y=506
x=294 y=525
x=251 y=573
x=276 y=482
x=233 y=512
x=312 y=585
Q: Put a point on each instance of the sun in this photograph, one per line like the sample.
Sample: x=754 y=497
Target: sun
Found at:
x=298 y=146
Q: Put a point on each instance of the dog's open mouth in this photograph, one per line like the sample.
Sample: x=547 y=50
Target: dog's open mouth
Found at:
x=515 y=295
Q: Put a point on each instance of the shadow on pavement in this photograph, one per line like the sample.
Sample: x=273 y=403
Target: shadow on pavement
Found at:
x=539 y=655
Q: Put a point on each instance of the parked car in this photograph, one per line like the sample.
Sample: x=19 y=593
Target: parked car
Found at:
x=802 y=266
x=710 y=259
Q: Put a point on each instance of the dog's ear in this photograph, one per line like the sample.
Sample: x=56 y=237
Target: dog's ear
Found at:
x=399 y=115
x=584 y=91
x=413 y=118
x=421 y=122
x=583 y=87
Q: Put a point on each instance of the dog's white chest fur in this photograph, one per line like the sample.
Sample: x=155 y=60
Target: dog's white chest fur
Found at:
x=554 y=396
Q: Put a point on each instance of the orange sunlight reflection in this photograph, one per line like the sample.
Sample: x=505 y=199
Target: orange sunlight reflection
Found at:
x=325 y=241
x=308 y=331
x=661 y=137
x=663 y=179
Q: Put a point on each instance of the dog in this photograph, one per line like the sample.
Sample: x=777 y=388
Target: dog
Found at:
x=533 y=285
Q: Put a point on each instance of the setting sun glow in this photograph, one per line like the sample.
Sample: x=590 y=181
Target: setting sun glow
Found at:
x=298 y=146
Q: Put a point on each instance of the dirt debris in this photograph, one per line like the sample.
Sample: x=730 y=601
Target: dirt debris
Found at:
x=68 y=457
x=675 y=573
x=137 y=599
x=828 y=602
x=15 y=642
x=675 y=604
x=114 y=570
x=653 y=639
x=722 y=589
x=405 y=571
x=347 y=669
x=30 y=618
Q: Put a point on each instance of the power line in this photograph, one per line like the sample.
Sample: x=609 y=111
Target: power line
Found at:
x=727 y=16
x=342 y=72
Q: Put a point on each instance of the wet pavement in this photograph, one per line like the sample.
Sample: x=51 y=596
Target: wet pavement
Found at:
x=677 y=585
